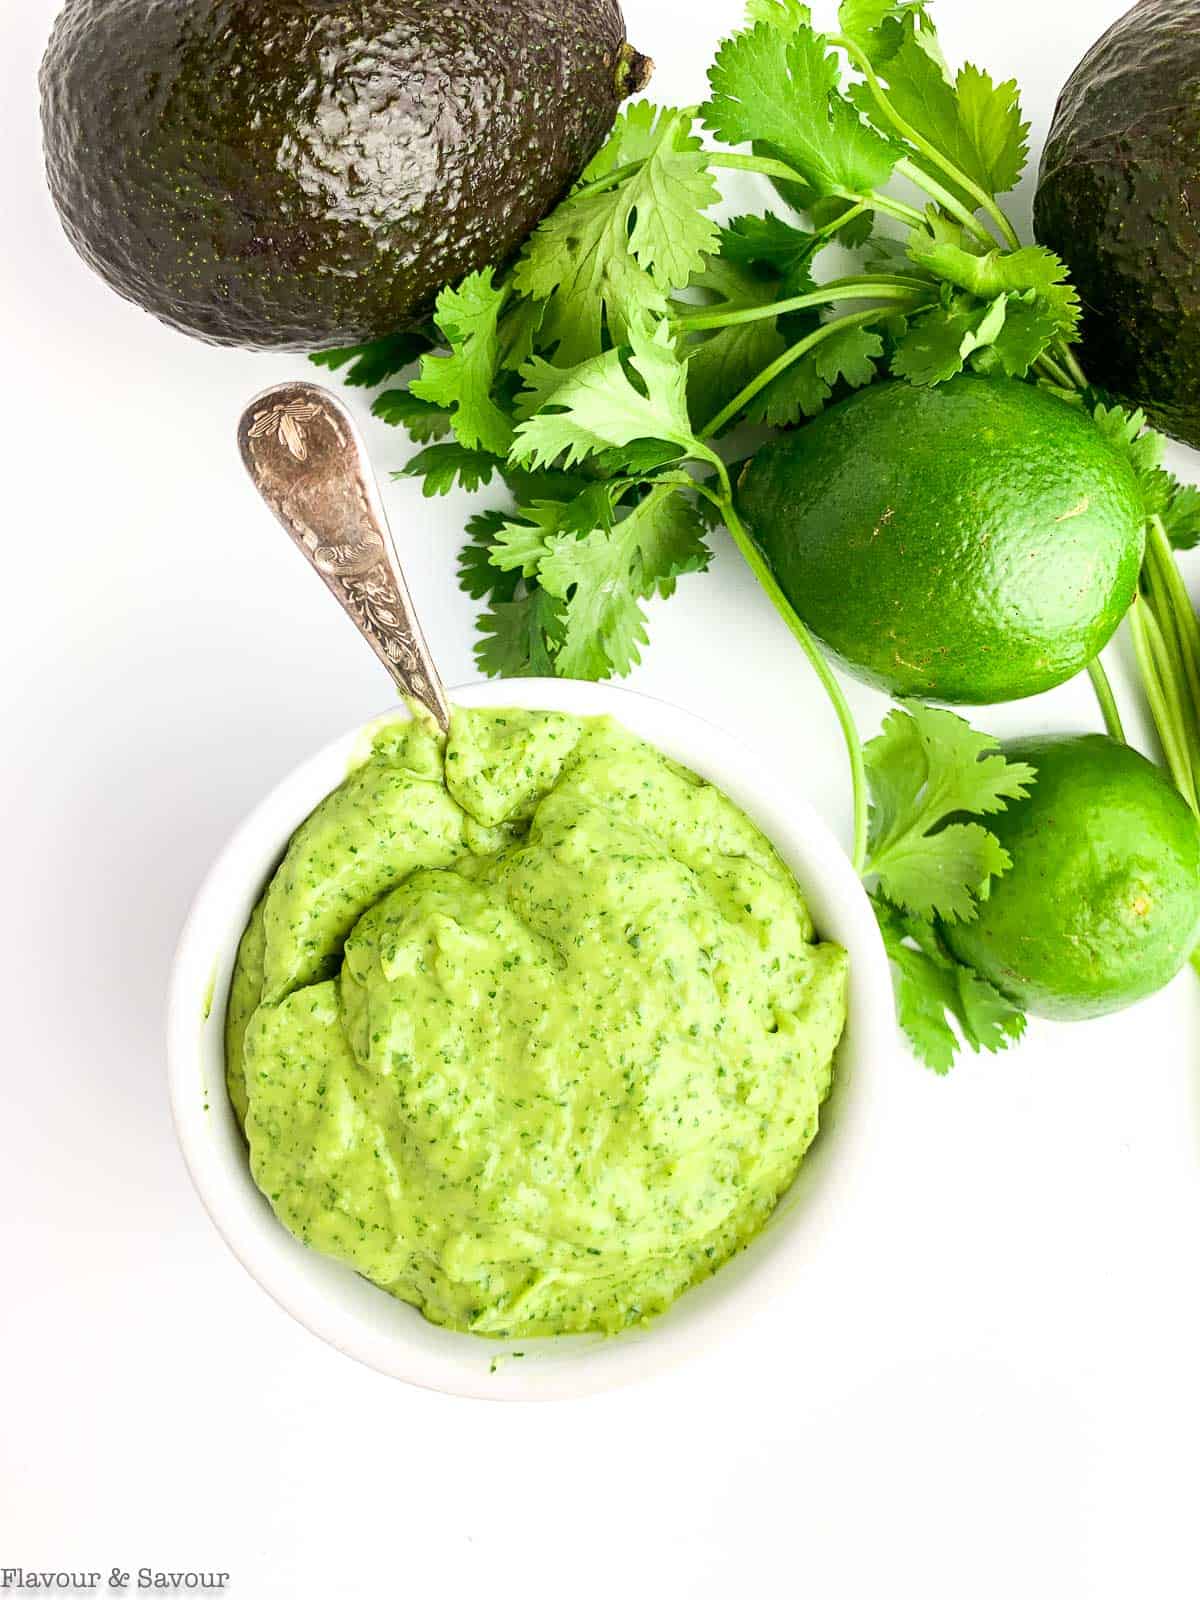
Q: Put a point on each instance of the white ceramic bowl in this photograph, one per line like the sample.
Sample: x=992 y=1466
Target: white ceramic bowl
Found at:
x=360 y=1319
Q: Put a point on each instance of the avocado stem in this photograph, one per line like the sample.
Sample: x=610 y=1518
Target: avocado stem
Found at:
x=634 y=70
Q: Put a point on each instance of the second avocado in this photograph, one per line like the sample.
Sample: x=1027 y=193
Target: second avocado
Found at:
x=303 y=174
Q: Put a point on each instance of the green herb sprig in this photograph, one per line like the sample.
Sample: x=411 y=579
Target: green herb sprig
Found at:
x=599 y=376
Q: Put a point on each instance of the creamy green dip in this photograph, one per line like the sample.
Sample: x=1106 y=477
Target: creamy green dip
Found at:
x=529 y=1027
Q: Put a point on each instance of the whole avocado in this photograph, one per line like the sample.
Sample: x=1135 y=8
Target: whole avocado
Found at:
x=975 y=542
x=1101 y=905
x=303 y=174
x=1119 y=200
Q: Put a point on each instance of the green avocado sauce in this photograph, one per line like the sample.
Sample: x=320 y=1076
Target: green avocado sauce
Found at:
x=530 y=1026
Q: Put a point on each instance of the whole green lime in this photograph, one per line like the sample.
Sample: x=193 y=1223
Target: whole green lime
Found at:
x=974 y=542
x=1101 y=905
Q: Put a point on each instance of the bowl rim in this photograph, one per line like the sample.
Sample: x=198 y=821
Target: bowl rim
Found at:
x=303 y=1283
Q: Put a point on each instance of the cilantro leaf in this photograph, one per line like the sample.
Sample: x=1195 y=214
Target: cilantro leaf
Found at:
x=596 y=404
x=938 y=343
x=528 y=487
x=973 y=122
x=461 y=382
x=632 y=138
x=848 y=353
x=785 y=14
x=925 y=766
x=1030 y=328
x=373 y=364
x=443 y=466
x=643 y=458
x=934 y=992
x=766 y=243
x=670 y=235
x=1181 y=516
x=875 y=25
x=778 y=86
x=986 y=276
x=605 y=258
x=799 y=391
x=1163 y=495
x=1141 y=446
x=601 y=577
x=990 y=117
x=477 y=574
x=605 y=625
x=722 y=361
x=665 y=532
x=401 y=408
x=519 y=637
x=518 y=332
x=521 y=543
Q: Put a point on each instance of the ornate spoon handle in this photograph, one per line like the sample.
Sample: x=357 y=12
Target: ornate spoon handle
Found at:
x=306 y=458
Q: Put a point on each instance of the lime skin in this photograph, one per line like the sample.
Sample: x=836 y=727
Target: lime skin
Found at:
x=1101 y=905
x=975 y=542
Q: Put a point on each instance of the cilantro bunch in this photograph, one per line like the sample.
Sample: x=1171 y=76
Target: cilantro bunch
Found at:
x=599 y=376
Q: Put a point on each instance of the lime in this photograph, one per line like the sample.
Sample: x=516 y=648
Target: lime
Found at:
x=1101 y=906
x=975 y=542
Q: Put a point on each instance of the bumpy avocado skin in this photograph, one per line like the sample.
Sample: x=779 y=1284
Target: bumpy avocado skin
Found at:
x=1119 y=200
x=302 y=174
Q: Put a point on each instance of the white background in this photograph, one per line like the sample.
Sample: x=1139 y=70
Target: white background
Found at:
x=986 y=1383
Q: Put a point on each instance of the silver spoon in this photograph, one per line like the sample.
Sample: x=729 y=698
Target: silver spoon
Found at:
x=306 y=458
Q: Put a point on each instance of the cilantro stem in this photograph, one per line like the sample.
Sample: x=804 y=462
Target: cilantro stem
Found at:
x=770 y=168
x=864 y=288
x=1158 y=548
x=781 y=364
x=758 y=565
x=954 y=207
x=890 y=207
x=1170 y=632
x=1067 y=355
x=1055 y=373
x=608 y=180
x=1150 y=648
x=847 y=216
x=930 y=151
x=1107 y=700
x=766 y=165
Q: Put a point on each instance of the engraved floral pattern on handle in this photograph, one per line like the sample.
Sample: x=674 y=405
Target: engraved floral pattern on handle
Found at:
x=304 y=455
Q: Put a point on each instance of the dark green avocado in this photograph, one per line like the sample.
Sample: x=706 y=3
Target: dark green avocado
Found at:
x=302 y=174
x=1119 y=200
